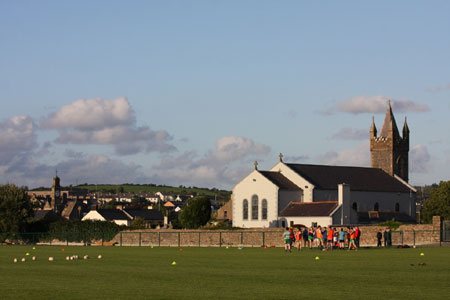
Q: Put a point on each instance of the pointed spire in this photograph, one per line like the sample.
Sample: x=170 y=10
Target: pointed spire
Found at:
x=405 y=129
x=373 y=128
x=389 y=126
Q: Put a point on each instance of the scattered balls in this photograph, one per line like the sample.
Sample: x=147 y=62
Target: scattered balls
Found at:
x=174 y=263
x=27 y=253
x=67 y=258
x=86 y=257
x=15 y=260
x=63 y=249
x=414 y=246
x=317 y=258
x=33 y=258
x=34 y=248
x=100 y=256
x=51 y=258
x=422 y=254
x=181 y=249
x=23 y=259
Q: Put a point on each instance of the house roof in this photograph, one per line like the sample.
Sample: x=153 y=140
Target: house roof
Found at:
x=113 y=214
x=359 y=178
x=279 y=180
x=45 y=214
x=146 y=214
x=309 y=209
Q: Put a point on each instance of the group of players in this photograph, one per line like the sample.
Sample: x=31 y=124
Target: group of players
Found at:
x=323 y=238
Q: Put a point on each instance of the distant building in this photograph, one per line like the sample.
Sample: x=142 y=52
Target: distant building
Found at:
x=70 y=204
x=112 y=215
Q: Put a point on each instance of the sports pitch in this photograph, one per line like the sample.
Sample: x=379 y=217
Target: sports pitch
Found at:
x=221 y=273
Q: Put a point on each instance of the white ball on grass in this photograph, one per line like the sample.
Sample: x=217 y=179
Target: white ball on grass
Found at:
x=100 y=256
x=51 y=258
x=15 y=260
x=23 y=259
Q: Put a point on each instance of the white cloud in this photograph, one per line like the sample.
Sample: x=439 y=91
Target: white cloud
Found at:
x=351 y=134
x=90 y=168
x=88 y=114
x=375 y=104
x=420 y=159
x=17 y=140
x=106 y=122
x=358 y=156
x=438 y=88
x=295 y=158
x=223 y=165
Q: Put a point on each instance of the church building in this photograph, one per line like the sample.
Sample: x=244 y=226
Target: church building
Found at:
x=304 y=194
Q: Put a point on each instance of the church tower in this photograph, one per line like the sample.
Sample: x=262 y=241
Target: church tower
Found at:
x=389 y=151
x=56 y=193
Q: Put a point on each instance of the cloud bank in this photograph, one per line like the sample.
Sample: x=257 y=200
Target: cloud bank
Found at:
x=227 y=163
x=105 y=122
x=375 y=105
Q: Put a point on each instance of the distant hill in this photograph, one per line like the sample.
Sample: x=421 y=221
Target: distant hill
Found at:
x=221 y=195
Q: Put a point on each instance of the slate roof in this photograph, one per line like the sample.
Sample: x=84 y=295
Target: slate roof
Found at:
x=113 y=214
x=146 y=214
x=279 y=180
x=45 y=214
x=359 y=178
x=309 y=209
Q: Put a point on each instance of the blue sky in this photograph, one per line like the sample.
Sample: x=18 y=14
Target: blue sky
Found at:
x=192 y=92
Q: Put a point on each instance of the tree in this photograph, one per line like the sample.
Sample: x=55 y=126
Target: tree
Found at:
x=196 y=212
x=15 y=208
x=138 y=223
x=438 y=204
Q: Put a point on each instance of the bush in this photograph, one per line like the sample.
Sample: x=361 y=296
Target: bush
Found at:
x=392 y=224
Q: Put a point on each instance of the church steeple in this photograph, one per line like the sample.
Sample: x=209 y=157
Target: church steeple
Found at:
x=373 y=129
x=389 y=128
x=389 y=151
x=405 y=130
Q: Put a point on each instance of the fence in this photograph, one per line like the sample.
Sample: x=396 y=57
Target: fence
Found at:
x=183 y=238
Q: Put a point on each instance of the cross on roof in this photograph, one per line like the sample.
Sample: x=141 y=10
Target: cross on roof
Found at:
x=281 y=157
x=256 y=165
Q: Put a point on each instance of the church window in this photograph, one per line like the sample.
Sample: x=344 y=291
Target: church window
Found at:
x=397 y=207
x=245 y=209
x=225 y=214
x=255 y=207
x=376 y=207
x=355 y=206
x=264 y=209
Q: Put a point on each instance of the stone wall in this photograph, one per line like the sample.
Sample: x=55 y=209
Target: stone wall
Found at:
x=420 y=234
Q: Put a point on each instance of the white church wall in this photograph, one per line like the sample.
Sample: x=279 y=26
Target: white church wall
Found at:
x=306 y=186
x=255 y=184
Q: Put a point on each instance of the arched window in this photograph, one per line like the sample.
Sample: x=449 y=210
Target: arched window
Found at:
x=376 y=207
x=254 y=207
x=397 y=207
x=355 y=206
x=264 y=209
x=245 y=209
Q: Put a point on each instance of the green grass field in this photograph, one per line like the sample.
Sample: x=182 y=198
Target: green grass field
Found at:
x=220 y=273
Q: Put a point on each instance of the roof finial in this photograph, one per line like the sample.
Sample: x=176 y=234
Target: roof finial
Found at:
x=281 y=157
x=256 y=165
x=56 y=172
